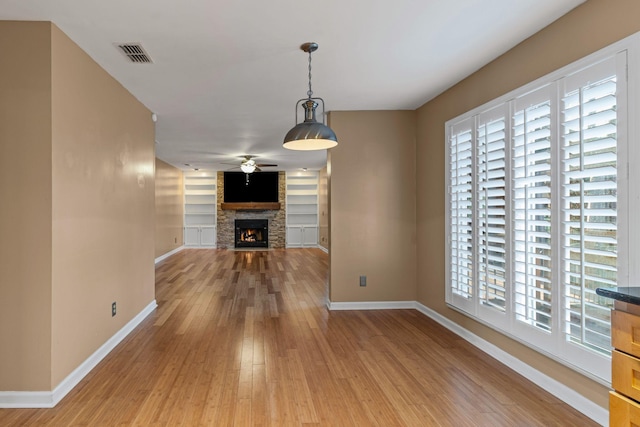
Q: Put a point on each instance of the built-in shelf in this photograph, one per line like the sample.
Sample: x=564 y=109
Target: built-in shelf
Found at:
x=302 y=209
x=250 y=206
x=200 y=208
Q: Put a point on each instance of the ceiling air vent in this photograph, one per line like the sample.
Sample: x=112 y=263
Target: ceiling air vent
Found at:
x=135 y=53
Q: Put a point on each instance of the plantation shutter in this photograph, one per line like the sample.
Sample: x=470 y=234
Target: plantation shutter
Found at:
x=589 y=202
x=538 y=207
x=461 y=209
x=491 y=208
x=532 y=165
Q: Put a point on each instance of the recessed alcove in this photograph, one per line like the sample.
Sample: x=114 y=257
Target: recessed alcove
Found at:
x=273 y=212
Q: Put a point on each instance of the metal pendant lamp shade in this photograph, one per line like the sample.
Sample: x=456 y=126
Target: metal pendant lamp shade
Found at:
x=310 y=134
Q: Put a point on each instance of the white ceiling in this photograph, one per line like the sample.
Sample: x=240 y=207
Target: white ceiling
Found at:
x=226 y=75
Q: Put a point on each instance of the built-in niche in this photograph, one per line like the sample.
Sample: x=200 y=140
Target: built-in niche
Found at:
x=226 y=218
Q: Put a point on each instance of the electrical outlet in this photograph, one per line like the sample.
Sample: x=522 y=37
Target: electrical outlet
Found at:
x=113 y=309
x=363 y=280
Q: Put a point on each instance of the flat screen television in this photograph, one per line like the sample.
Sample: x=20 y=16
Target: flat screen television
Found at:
x=240 y=187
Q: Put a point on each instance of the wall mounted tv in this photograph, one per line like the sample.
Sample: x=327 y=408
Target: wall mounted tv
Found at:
x=240 y=187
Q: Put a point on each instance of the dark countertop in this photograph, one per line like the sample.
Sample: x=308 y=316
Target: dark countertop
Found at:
x=624 y=294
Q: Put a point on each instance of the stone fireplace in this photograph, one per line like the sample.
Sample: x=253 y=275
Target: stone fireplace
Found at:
x=276 y=218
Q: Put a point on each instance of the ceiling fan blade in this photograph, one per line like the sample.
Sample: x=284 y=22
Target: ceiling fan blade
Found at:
x=248 y=159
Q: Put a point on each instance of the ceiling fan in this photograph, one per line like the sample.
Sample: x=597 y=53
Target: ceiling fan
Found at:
x=249 y=165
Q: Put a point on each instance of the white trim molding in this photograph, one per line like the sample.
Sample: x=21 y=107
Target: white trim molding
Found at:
x=168 y=254
x=371 y=305
x=49 y=399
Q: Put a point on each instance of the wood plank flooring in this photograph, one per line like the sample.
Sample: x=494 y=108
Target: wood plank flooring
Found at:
x=243 y=338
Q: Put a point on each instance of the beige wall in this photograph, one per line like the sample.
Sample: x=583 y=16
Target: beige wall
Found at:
x=25 y=206
x=372 y=198
x=586 y=29
x=81 y=170
x=169 y=208
x=103 y=206
x=323 y=208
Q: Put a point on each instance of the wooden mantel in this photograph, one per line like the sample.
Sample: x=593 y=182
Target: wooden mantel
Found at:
x=251 y=206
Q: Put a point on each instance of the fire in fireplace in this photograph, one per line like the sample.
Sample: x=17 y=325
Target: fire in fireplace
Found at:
x=252 y=233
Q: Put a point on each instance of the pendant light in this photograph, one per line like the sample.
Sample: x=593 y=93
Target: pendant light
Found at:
x=310 y=134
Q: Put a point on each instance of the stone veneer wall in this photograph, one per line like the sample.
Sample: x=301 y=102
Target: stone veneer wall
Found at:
x=277 y=218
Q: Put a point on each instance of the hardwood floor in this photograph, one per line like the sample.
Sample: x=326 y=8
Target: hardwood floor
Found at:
x=245 y=339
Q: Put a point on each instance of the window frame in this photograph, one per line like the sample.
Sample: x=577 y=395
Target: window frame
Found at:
x=554 y=345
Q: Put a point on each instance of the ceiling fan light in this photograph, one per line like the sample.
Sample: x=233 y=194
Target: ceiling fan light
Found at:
x=248 y=167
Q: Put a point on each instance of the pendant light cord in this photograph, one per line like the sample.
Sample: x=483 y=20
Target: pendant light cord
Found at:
x=309 y=92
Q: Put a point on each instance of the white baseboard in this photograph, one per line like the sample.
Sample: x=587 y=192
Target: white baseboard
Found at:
x=49 y=399
x=559 y=390
x=371 y=305
x=323 y=249
x=168 y=254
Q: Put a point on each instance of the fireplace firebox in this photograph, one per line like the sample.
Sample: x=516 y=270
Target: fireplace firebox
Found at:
x=252 y=233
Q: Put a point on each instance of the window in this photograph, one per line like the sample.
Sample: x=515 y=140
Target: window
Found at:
x=537 y=209
x=532 y=203
x=589 y=207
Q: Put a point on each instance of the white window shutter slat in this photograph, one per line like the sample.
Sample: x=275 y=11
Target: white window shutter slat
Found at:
x=589 y=206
